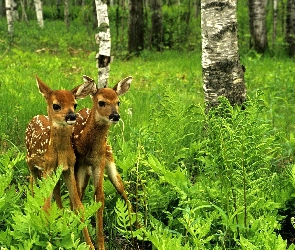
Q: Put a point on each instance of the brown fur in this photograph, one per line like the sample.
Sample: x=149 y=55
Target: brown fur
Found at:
x=48 y=142
x=92 y=151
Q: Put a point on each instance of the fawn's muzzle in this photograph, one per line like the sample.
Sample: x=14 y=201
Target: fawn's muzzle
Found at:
x=114 y=117
x=70 y=118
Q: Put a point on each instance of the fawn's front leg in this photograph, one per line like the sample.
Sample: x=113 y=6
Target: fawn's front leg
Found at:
x=75 y=200
x=113 y=174
x=116 y=179
x=82 y=175
x=57 y=195
x=98 y=178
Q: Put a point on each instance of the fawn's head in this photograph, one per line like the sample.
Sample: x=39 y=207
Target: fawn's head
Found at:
x=106 y=100
x=61 y=104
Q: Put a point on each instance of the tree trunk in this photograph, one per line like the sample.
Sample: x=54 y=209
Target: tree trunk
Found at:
x=197 y=6
x=66 y=15
x=9 y=16
x=123 y=20
x=24 y=13
x=2 y=8
x=275 y=21
x=290 y=27
x=157 y=24
x=283 y=16
x=58 y=5
x=223 y=74
x=257 y=18
x=14 y=10
x=39 y=12
x=188 y=18
x=121 y=23
x=136 y=27
x=103 y=38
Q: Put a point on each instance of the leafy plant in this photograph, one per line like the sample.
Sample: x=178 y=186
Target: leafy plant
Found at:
x=10 y=194
x=35 y=228
x=30 y=227
x=196 y=180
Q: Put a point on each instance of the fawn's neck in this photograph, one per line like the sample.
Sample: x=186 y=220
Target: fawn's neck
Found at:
x=95 y=134
x=60 y=138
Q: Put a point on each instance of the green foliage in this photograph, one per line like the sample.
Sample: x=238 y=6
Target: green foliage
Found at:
x=126 y=221
x=215 y=186
x=196 y=180
x=10 y=194
x=238 y=158
x=164 y=239
x=29 y=226
x=181 y=26
x=262 y=236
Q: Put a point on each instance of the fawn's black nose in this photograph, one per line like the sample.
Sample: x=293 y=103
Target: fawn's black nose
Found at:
x=70 y=118
x=114 y=117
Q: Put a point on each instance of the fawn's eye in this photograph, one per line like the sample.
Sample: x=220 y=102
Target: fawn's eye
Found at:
x=101 y=103
x=56 y=107
x=75 y=106
x=118 y=103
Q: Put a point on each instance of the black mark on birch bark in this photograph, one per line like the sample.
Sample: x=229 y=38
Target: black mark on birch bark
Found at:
x=103 y=61
x=218 y=6
x=232 y=28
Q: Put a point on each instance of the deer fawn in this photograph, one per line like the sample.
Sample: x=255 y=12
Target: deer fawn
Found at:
x=48 y=141
x=90 y=145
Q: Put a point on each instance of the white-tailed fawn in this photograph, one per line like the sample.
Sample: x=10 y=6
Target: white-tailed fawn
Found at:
x=93 y=154
x=49 y=143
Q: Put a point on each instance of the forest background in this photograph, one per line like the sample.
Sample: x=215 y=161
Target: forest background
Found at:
x=218 y=180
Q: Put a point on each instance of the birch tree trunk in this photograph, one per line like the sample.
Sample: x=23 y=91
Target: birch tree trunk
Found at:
x=66 y=15
x=103 y=38
x=257 y=17
x=9 y=16
x=275 y=20
x=290 y=27
x=14 y=10
x=39 y=12
x=223 y=74
x=24 y=14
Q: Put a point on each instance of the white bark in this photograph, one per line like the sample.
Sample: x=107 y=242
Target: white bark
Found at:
x=39 y=12
x=14 y=10
x=257 y=12
x=24 y=14
x=222 y=72
x=66 y=15
x=275 y=17
x=103 y=38
x=9 y=16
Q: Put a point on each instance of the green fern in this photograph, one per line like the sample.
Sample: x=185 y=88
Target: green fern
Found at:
x=126 y=221
x=33 y=228
x=10 y=195
x=165 y=239
x=177 y=178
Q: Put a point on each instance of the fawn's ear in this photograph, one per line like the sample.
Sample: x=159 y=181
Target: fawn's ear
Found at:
x=123 y=86
x=43 y=88
x=87 y=88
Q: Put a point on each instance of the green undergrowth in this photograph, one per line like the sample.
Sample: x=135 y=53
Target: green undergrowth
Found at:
x=196 y=180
